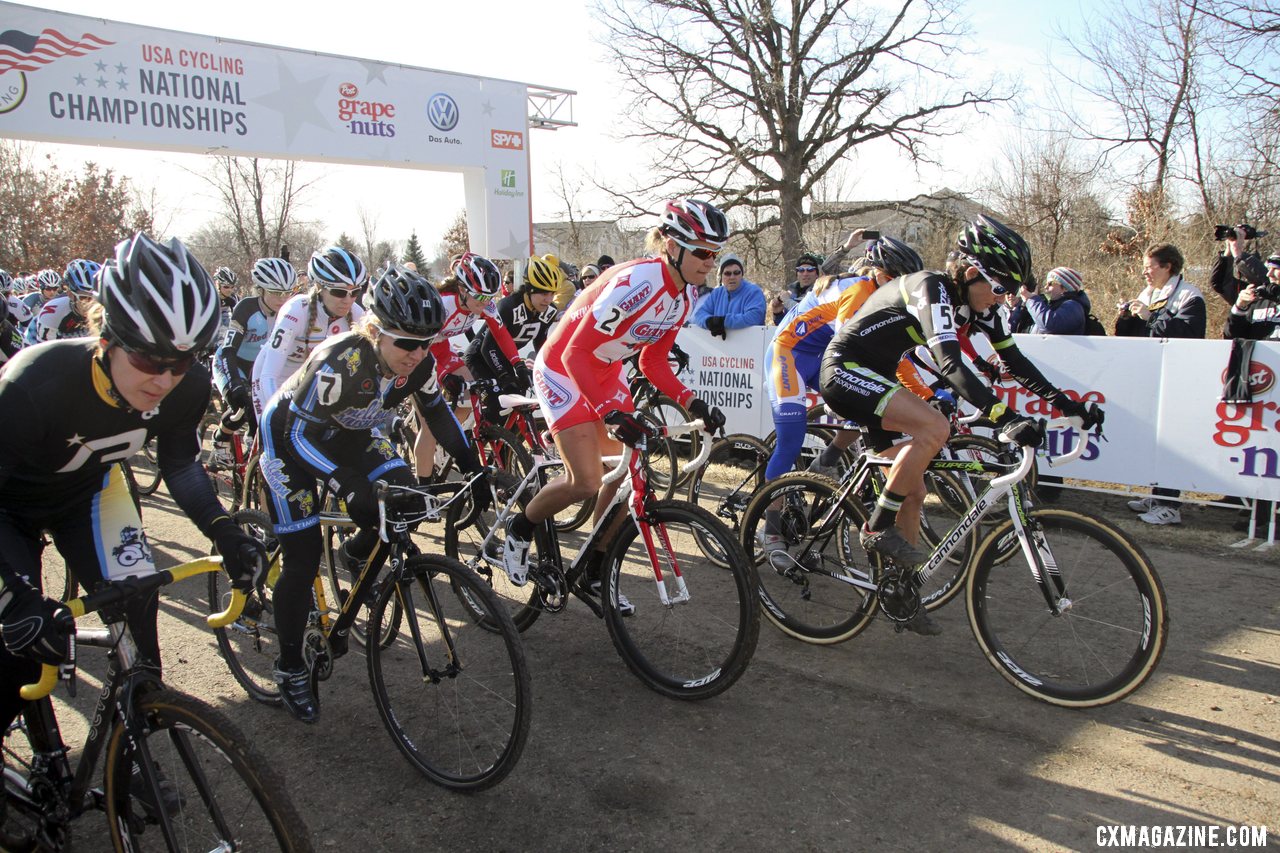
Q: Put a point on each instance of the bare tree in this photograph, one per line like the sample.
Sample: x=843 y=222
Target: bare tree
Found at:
x=567 y=190
x=261 y=201
x=753 y=102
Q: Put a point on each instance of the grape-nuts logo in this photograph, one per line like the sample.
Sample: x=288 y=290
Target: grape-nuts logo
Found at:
x=1261 y=378
x=442 y=112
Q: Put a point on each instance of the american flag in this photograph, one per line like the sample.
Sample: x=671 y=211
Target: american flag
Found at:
x=21 y=51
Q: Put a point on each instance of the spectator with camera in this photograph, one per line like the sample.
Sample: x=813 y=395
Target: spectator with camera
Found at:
x=809 y=266
x=1248 y=284
x=1168 y=307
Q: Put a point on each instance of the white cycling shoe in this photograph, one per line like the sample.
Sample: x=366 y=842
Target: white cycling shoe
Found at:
x=515 y=559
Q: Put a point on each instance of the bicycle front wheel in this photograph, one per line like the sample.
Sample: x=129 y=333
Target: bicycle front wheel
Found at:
x=1112 y=623
x=697 y=643
x=250 y=644
x=206 y=790
x=816 y=582
x=724 y=485
x=453 y=688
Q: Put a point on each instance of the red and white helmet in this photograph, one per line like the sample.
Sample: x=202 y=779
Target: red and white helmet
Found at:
x=688 y=220
x=478 y=275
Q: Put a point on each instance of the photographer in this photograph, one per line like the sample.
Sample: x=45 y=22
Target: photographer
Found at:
x=1235 y=269
x=1255 y=314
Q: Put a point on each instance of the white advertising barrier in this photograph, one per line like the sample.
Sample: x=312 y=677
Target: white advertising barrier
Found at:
x=68 y=78
x=1165 y=423
x=730 y=373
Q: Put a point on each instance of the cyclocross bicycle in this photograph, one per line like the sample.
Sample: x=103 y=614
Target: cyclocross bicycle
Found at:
x=1085 y=624
x=177 y=774
x=691 y=626
x=450 y=683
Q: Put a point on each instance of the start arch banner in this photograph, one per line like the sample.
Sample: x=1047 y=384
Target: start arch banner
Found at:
x=1166 y=423
x=69 y=78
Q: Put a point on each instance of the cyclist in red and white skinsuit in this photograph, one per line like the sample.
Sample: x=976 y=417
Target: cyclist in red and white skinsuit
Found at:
x=468 y=294
x=579 y=375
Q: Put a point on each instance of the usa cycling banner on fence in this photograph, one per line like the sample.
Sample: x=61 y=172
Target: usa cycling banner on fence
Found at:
x=1166 y=423
x=69 y=78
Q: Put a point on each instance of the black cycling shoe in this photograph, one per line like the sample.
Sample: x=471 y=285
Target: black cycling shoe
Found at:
x=295 y=691
x=889 y=543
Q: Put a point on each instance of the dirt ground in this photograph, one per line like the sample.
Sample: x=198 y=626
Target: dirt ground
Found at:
x=887 y=742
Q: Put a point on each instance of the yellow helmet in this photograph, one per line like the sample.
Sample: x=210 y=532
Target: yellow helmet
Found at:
x=544 y=273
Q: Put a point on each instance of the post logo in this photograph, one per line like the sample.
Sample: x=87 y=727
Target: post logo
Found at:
x=442 y=112
x=1261 y=378
x=509 y=178
x=512 y=139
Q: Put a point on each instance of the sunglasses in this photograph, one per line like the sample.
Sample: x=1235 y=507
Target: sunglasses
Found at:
x=587 y=278
x=344 y=292
x=806 y=269
x=996 y=287
x=698 y=252
x=48 y=287
x=482 y=298
x=156 y=366
x=407 y=342
x=731 y=272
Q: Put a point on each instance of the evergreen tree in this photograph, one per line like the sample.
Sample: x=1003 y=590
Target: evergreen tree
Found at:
x=413 y=253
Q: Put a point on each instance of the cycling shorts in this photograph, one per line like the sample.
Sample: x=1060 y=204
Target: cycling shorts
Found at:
x=856 y=392
x=789 y=375
x=562 y=402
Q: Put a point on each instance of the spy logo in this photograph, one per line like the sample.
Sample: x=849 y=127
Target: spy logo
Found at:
x=509 y=178
x=442 y=112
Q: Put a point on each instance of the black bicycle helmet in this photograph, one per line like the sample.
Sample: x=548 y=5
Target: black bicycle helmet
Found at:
x=158 y=300
x=226 y=275
x=335 y=265
x=997 y=251
x=689 y=220
x=894 y=257
x=403 y=300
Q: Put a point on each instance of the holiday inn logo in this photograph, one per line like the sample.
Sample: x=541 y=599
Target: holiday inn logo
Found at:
x=507 y=184
x=509 y=178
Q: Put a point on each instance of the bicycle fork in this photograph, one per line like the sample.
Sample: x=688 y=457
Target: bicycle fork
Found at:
x=647 y=530
x=1035 y=547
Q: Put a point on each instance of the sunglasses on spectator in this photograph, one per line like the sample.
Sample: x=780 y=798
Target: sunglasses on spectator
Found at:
x=408 y=343
x=587 y=278
x=156 y=366
x=806 y=269
x=731 y=272
x=344 y=292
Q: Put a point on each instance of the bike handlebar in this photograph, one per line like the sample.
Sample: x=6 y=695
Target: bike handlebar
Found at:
x=117 y=591
x=1029 y=453
x=665 y=430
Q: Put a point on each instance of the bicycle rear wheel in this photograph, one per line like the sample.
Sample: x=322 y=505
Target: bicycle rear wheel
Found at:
x=453 y=688
x=1113 y=624
x=821 y=588
x=214 y=791
x=340 y=580
x=691 y=649
x=250 y=644
x=146 y=471
x=661 y=410
x=724 y=485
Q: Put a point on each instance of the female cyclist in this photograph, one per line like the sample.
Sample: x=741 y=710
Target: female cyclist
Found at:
x=329 y=308
x=468 y=294
x=636 y=307
x=324 y=425
x=70 y=411
x=68 y=316
x=527 y=315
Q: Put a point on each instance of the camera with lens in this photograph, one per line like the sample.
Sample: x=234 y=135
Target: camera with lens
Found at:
x=1228 y=232
x=1269 y=291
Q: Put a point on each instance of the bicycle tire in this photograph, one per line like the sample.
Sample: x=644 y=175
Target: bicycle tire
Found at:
x=692 y=650
x=208 y=762
x=816 y=438
x=1101 y=649
x=250 y=644
x=340 y=582
x=661 y=409
x=463 y=728
x=812 y=595
x=734 y=471
x=146 y=471
x=462 y=541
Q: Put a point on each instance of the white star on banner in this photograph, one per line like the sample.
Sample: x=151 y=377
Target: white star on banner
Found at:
x=295 y=101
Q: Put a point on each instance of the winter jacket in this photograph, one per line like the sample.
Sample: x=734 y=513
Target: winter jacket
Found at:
x=1177 y=311
x=1062 y=316
x=741 y=308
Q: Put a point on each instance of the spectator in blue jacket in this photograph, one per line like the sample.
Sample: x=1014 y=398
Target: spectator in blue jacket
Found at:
x=735 y=304
x=1062 y=305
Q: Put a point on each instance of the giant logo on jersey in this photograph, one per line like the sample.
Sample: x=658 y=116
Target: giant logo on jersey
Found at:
x=555 y=394
x=648 y=331
x=635 y=300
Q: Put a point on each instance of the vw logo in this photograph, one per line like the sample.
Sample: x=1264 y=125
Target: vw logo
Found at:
x=442 y=110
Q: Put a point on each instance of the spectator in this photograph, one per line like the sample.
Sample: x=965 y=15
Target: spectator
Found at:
x=808 y=267
x=735 y=304
x=1234 y=268
x=1063 y=306
x=1020 y=320
x=1255 y=315
x=575 y=285
x=604 y=262
x=1168 y=307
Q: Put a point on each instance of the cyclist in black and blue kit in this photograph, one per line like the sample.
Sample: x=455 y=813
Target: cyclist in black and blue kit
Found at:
x=324 y=424
x=70 y=412
x=928 y=308
x=247 y=331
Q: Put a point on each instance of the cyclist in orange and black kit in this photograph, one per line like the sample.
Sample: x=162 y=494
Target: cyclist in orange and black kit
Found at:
x=929 y=307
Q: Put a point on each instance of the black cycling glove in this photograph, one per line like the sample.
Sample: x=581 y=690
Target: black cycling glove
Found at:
x=243 y=557
x=238 y=397
x=715 y=325
x=1089 y=414
x=523 y=375
x=32 y=627
x=711 y=416
x=626 y=428
x=988 y=370
x=1025 y=432
x=452 y=385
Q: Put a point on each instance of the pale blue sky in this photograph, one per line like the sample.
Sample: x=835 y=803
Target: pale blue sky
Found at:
x=546 y=43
